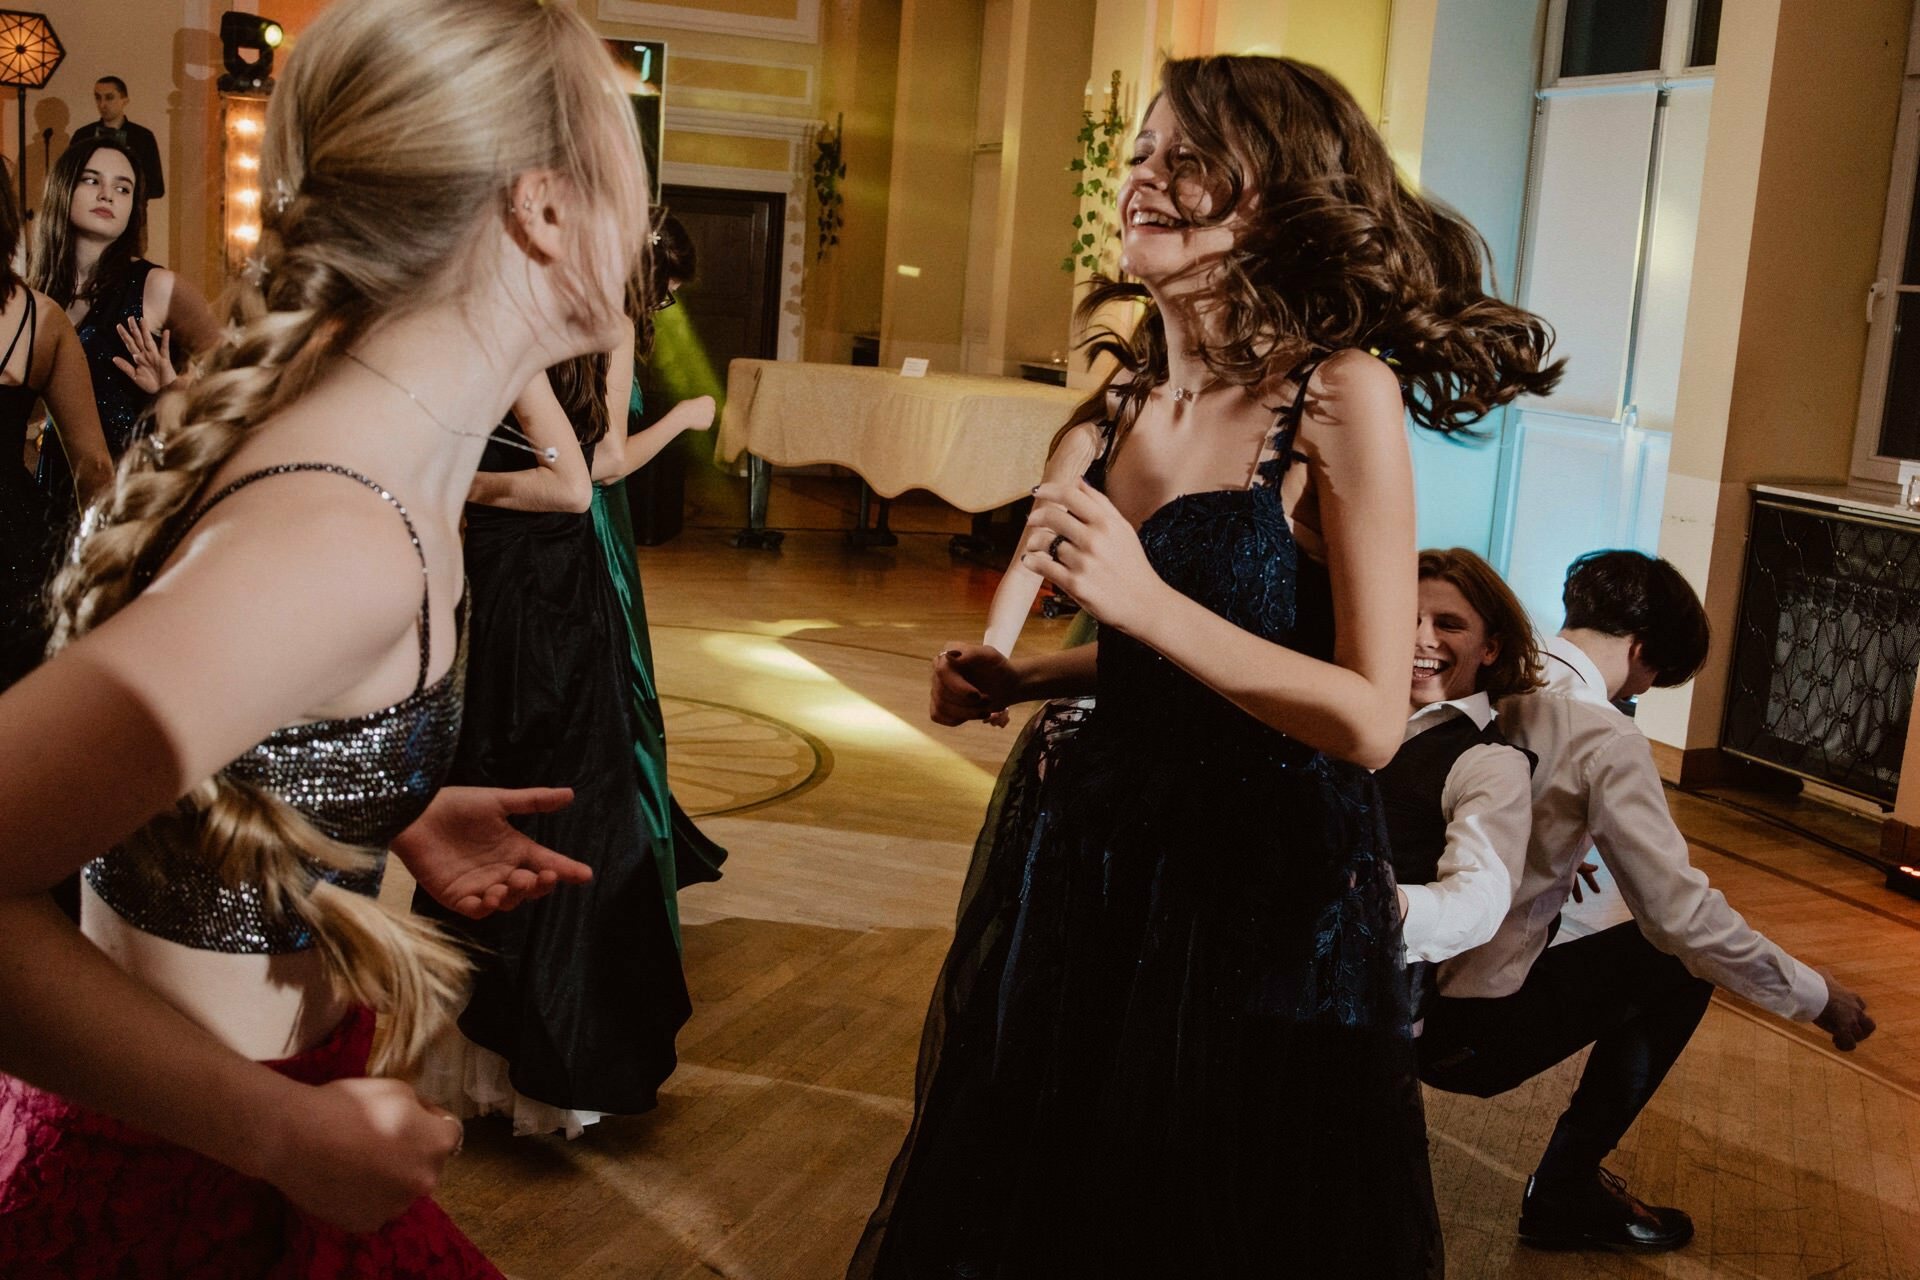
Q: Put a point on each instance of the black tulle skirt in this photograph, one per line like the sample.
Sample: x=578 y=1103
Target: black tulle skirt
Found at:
x=1171 y=1036
x=581 y=992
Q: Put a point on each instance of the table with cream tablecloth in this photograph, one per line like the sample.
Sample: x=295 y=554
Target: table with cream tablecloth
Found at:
x=977 y=442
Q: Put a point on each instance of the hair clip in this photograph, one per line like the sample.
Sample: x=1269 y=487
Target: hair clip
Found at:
x=654 y=239
x=282 y=195
x=156 y=447
x=254 y=270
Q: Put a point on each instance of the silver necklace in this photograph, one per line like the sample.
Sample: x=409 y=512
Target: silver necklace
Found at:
x=503 y=433
x=1187 y=395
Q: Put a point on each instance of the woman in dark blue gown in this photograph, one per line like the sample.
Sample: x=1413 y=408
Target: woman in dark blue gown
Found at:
x=132 y=315
x=1171 y=1037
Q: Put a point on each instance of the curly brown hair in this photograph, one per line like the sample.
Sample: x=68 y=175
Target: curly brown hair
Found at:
x=1336 y=252
x=1516 y=668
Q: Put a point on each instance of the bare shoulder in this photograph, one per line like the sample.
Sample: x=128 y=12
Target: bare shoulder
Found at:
x=1353 y=384
x=315 y=544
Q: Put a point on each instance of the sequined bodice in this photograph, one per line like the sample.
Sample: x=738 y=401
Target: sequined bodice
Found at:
x=360 y=779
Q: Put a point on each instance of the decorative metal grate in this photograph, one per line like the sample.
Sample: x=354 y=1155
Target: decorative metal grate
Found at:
x=1826 y=647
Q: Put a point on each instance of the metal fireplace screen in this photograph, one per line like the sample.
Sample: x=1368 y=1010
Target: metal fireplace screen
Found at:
x=1827 y=642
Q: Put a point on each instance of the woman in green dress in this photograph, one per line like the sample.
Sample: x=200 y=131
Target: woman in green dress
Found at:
x=684 y=855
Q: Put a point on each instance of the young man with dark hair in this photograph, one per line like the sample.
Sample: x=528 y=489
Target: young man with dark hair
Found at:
x=110 y=100
x=1635 y=992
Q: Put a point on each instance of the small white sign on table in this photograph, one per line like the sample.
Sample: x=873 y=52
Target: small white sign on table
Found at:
x=913 y=367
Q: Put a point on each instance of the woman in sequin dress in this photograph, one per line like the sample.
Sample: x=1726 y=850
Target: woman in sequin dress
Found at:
x=40 y=359
x=134 y=316
x=1171 y=1037
x=258 y=685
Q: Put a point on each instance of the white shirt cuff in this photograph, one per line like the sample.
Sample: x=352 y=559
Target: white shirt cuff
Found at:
x=1423 y=912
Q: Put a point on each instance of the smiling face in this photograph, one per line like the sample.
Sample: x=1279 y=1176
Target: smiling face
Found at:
x=1451 y=645
x=1164 y=206
x=103 y=197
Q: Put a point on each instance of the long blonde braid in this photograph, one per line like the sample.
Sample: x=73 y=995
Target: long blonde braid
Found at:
x=367 y=217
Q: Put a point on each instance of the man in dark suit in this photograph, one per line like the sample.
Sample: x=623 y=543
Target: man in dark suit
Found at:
x=110 y=98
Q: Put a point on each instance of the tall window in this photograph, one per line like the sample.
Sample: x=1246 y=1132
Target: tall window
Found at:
x=1888 y=431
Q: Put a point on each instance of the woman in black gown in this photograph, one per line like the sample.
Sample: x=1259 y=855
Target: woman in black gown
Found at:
x=1171 y=1036
x=133 y=315
x=40 y=359
x=575 y=1003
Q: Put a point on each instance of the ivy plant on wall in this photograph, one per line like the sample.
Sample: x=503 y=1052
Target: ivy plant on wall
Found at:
x=829 y=170
x=1096 y=172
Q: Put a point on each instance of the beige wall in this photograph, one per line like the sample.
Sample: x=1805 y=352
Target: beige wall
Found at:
x=932 y=174
x=859 y=74
x=1052 y=40
x=1798 y=160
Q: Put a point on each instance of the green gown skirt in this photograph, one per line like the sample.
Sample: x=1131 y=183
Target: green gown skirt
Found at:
x=682 y=854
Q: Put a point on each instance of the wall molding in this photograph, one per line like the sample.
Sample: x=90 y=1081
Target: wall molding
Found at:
x=738 y=124
x=802 y=28
x=806 y=68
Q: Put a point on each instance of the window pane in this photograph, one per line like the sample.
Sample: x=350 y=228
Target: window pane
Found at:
x=1910 y=273
x=1900 y=418
x=1706 y=34
x=1606 y=37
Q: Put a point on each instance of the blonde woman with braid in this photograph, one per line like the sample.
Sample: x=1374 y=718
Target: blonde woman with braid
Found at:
x=257 y=682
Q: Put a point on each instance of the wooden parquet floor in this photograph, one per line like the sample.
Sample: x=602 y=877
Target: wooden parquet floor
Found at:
x=811 y=962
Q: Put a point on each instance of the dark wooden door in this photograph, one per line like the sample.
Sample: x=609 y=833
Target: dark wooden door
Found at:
x=730 y=309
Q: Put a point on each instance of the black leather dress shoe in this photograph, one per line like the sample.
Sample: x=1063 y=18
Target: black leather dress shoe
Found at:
x=1600 y=1215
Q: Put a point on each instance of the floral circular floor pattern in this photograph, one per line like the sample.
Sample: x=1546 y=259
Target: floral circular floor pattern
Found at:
x=723 y=759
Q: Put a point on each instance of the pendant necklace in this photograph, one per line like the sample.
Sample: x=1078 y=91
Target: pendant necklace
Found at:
x=503 y=433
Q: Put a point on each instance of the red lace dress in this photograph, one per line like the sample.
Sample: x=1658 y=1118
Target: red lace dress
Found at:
x=84 y=1196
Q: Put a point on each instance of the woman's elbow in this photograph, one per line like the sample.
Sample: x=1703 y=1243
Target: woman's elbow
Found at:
x=1372 y=743
x=579 y=497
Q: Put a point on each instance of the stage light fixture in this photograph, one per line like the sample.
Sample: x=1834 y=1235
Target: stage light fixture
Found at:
x=1904 y=880
x=247 y=42
x=29 y=55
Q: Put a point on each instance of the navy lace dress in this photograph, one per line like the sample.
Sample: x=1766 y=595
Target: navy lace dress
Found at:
x=1171 y=1036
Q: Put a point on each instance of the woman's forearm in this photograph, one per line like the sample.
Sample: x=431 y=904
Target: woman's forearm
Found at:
x=1065 y=673
x=1323 y=704
x=534 y=489
x=74 y=1023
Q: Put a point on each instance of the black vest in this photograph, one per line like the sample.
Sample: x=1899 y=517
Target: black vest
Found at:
x=1411 y=787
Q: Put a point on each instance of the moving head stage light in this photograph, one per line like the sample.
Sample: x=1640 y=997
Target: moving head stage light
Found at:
x=247 y=41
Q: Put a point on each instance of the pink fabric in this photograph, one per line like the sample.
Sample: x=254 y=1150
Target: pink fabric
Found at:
x=85 y=1197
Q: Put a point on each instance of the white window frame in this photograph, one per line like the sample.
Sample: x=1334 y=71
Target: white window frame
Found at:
x=1870 y=465
x=1675 y=43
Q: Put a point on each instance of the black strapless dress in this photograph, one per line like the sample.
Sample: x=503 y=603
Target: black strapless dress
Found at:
x=581 y=992
x=28 y=524
x=1171 y=1037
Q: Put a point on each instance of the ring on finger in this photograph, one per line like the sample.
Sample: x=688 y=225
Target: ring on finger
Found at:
x=1053 y=548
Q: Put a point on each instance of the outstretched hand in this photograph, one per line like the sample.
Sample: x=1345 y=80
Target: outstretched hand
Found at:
x=1078 y=540
x=148 y=364
x=468 y=856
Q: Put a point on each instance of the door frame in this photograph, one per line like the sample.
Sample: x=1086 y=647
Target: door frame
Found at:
x=789 y=319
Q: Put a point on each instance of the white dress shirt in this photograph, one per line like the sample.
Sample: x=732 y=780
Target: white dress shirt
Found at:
x=1487 y=802
x=1596 y=785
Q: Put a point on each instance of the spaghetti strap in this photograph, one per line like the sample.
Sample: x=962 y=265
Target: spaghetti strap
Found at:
x=168 y=547
x=29 y=325
x=1287 y=426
